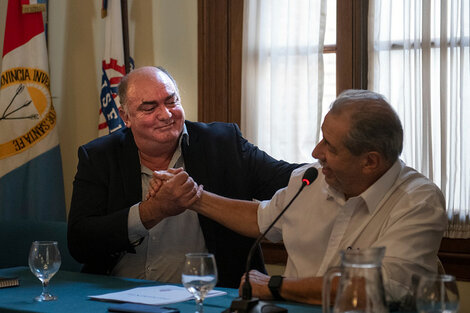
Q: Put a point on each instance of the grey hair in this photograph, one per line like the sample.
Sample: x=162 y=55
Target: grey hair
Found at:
x=123 y=84
x=375 y=126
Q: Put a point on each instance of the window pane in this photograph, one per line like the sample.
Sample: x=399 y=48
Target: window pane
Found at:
x=420 y=61
x=330 y=29
x=283 y=76
x=329 y=59
x=329 y=92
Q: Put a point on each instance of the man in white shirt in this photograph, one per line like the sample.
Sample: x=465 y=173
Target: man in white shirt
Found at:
x=364 y=197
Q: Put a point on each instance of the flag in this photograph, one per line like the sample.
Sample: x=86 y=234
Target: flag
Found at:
x=113 y=68
x=31 y=183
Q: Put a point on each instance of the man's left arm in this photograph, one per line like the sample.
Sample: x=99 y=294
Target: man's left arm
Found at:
x=306 y=290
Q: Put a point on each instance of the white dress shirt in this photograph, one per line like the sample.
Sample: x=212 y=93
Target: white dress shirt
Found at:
x=402 y=211
x=161 y=254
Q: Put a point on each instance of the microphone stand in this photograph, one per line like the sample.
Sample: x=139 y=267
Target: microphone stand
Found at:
x=248 y=304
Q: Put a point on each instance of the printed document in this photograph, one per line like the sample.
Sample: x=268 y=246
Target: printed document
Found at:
x=157 y=295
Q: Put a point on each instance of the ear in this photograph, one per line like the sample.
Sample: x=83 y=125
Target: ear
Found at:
x=371 y=162
x=124 y=116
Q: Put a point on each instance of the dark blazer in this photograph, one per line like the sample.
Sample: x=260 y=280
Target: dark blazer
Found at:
x=108 y=183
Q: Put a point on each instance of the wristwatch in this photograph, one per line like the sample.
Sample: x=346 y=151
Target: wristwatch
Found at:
x=274 y=285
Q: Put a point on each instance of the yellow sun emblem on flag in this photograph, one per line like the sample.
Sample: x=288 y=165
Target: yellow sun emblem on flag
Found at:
x=25 y=109
x=38 y=95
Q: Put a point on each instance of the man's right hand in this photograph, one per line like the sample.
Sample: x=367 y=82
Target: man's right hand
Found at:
x=159 y=177
x=168 y=197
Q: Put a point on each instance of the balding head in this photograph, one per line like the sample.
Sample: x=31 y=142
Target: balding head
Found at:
x=141 y=73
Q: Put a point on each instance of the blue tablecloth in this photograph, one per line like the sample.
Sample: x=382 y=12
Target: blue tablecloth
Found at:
x=73 y=289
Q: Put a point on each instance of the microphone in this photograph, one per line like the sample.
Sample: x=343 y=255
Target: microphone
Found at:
x=248 y=304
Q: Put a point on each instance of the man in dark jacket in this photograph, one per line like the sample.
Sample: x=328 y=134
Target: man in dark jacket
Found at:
x=114 y=230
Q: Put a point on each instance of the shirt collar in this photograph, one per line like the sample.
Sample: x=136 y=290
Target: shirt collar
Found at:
x=375 y=193
x=184 y=136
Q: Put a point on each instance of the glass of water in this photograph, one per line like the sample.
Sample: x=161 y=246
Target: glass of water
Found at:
x=199 y=276
x=44 y=261
x=437 y=294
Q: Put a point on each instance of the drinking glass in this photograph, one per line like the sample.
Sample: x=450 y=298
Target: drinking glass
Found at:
x=44 y=262
x=437 y=294
x=199 y=276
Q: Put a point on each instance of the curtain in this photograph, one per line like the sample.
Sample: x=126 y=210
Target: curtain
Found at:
x=282 y=76
x=419 y=59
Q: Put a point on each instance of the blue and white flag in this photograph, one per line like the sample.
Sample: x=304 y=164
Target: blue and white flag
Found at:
x=31 y=182
x=113 y=69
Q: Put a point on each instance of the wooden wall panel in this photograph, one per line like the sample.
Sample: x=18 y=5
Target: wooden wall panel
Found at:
x=351 y=42
x=455 y=257
x=220 y=27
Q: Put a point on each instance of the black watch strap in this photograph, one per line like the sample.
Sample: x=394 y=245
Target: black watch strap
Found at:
x=275 y=283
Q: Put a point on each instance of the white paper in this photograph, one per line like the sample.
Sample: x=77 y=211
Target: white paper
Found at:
x=157 y=295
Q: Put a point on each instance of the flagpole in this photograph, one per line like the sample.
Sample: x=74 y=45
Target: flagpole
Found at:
x=125 y=35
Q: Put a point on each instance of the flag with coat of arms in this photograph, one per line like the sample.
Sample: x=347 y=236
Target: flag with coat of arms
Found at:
x=31 y=182
x=113 y=68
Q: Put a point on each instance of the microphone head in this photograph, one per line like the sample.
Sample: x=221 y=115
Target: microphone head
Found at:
x=309 y=176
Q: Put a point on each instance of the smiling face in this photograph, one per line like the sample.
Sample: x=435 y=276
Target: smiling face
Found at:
x=343 y=170
x=153 y=110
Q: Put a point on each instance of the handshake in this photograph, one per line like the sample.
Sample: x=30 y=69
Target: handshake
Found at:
x=170 y=193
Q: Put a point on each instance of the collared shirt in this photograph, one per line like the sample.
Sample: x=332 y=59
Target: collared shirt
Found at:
x=161 y=254
x=320 y=223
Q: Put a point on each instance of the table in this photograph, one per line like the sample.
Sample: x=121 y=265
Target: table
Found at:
x=73 y=289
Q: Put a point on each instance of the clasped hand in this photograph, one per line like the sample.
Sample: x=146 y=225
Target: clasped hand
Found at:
x=170 y=193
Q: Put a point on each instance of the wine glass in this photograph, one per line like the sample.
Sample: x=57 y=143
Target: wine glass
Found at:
x=44 y=262
x=199 y=276
x=437 y=294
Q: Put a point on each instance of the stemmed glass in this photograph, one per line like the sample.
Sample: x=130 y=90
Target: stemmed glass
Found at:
x=437 y=294
x=199 y=276
x=44 y=261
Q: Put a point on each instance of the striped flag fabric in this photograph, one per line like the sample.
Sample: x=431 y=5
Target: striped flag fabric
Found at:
x=31 y=181
x=113 y=68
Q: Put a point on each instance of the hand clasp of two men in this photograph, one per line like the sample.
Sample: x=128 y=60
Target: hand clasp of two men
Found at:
x=170 y=193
